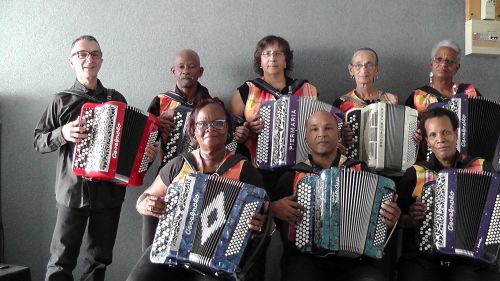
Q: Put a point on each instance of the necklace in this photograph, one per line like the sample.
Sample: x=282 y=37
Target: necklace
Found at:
x=203 y=163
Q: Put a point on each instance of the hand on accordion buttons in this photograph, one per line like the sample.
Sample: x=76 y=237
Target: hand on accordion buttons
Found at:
x=347 y=134
x=73 y=132
x=241 y=132
x=151 y=151
x=153 y=206
x=255 y=124
x=417 y=137
x=288 y=210
x=390 y=212
x=166 y=123
x=417 y=211
x=256 y=223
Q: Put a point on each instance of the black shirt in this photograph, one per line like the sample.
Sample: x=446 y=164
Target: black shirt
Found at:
x=72 y=190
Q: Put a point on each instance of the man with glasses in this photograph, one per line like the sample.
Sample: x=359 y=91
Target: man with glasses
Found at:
x=80 y=201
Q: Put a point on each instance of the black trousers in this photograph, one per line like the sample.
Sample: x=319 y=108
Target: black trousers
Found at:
x=300 y=267
x=67 y=239
x=145 y=270
x=418 y=267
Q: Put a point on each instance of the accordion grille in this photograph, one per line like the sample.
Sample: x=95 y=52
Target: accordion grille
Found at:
x=355 y=205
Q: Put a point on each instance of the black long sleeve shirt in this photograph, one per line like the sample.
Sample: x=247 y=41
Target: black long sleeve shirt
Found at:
x=72 y=190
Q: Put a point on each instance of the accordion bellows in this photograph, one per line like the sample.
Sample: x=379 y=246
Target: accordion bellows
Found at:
x=383 y=136
x=114 y=149
x=282 y=141
x=462 y=216
x=204 y=225
x=342 y=214
x=479 y=125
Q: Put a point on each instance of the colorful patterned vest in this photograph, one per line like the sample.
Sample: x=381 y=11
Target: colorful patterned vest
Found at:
x=424 y=175
x=423 y=96
x=351 y=100
x=232 y=173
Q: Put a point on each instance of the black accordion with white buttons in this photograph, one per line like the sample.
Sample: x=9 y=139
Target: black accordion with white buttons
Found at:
x=114 y=149
x=383 y=136
x=178 y=140
x=342 y=214
x=282 y=141
x=462 y=215
x=205 y=224
x=479 y=124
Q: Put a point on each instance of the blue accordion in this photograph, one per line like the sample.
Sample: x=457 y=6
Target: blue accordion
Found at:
x=204 y=225
x=342 y=214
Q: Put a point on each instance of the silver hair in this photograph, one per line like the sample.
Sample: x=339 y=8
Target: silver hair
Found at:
x=447 y=44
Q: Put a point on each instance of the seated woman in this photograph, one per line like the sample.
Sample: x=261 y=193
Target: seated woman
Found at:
x=445 y=63
x=273 y=60
x=209 y=128
x=439 y=126
x=363 y=69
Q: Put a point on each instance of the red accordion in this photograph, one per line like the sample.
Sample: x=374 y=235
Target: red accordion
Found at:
x=114 y=149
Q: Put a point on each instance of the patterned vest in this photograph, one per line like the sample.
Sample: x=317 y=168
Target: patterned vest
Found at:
x=422 y=97
x=351 y=100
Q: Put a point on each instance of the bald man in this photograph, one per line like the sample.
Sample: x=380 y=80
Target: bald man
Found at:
x=186 y=70
x=322 y=136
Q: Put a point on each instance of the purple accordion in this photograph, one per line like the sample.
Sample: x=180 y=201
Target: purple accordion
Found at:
x=463 y=215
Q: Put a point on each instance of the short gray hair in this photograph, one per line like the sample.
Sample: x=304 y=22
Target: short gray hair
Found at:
x=447 y=44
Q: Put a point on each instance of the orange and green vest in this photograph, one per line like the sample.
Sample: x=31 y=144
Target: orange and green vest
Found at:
x=426 y=95
x=351 y=100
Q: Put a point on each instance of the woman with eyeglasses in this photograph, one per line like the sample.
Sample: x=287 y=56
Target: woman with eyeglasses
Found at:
x=273 y=61
x=444 y=63
x=209 y=129
x=364 y=69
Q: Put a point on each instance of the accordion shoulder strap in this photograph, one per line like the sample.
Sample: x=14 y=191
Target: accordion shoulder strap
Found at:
x=263 y=85
x=109 y=95
x=226 y=165
x=178 y=98
x=461 y=88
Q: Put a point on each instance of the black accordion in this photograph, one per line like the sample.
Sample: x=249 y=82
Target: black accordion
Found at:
x=204 y=224
x=178 y=140
x=342 y=214
x=282 y=142
x=462 y=215
x=383 y=136
x=114 y=149
x=479 y=124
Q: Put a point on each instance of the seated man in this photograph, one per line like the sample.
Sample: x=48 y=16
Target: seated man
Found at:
x=322 y=138
x=439 y=127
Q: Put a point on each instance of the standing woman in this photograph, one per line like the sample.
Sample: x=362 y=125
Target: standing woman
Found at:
x=209 y=126
x=364 y=69
x=444 y=63
x=273 y=60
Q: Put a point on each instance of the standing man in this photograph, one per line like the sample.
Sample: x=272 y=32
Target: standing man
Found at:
x=80 y=201
x=186 y=69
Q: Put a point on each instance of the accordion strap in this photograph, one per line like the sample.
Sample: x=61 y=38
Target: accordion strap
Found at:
x=178 y=98
x=224 y=167
x=82 y=94
x=263 y=85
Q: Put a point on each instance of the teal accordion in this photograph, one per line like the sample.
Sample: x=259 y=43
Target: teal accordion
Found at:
x=342 y=214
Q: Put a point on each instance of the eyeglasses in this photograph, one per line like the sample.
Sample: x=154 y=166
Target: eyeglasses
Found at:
x=86 y=54
x=216 y=124
x=368 y=66
x=272 y=53
x=440 y=60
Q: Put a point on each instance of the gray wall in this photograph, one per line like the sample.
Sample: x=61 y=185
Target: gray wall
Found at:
x=138 y=40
